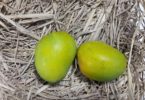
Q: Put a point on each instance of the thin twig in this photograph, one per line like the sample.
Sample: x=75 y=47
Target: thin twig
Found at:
x=40 y=15
x=130 y=84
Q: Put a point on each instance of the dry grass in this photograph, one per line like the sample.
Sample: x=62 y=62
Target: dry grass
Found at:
x=24 y=22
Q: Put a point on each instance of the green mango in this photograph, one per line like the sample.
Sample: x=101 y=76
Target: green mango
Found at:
x=100 y=62
x=54 y=54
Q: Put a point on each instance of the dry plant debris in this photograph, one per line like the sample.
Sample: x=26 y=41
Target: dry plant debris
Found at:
x=24 y=22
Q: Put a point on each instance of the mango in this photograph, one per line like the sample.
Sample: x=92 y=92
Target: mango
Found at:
x=54 y=54
x=100 y=62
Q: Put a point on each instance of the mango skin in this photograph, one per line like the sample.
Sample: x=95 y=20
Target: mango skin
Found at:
x=100 y=62
x=54 y=55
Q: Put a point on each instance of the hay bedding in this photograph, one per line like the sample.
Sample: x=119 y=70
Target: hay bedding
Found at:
x=23 y=22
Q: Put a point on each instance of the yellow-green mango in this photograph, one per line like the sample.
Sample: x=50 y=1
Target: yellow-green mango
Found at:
x=100 y=62
x=54 y=54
